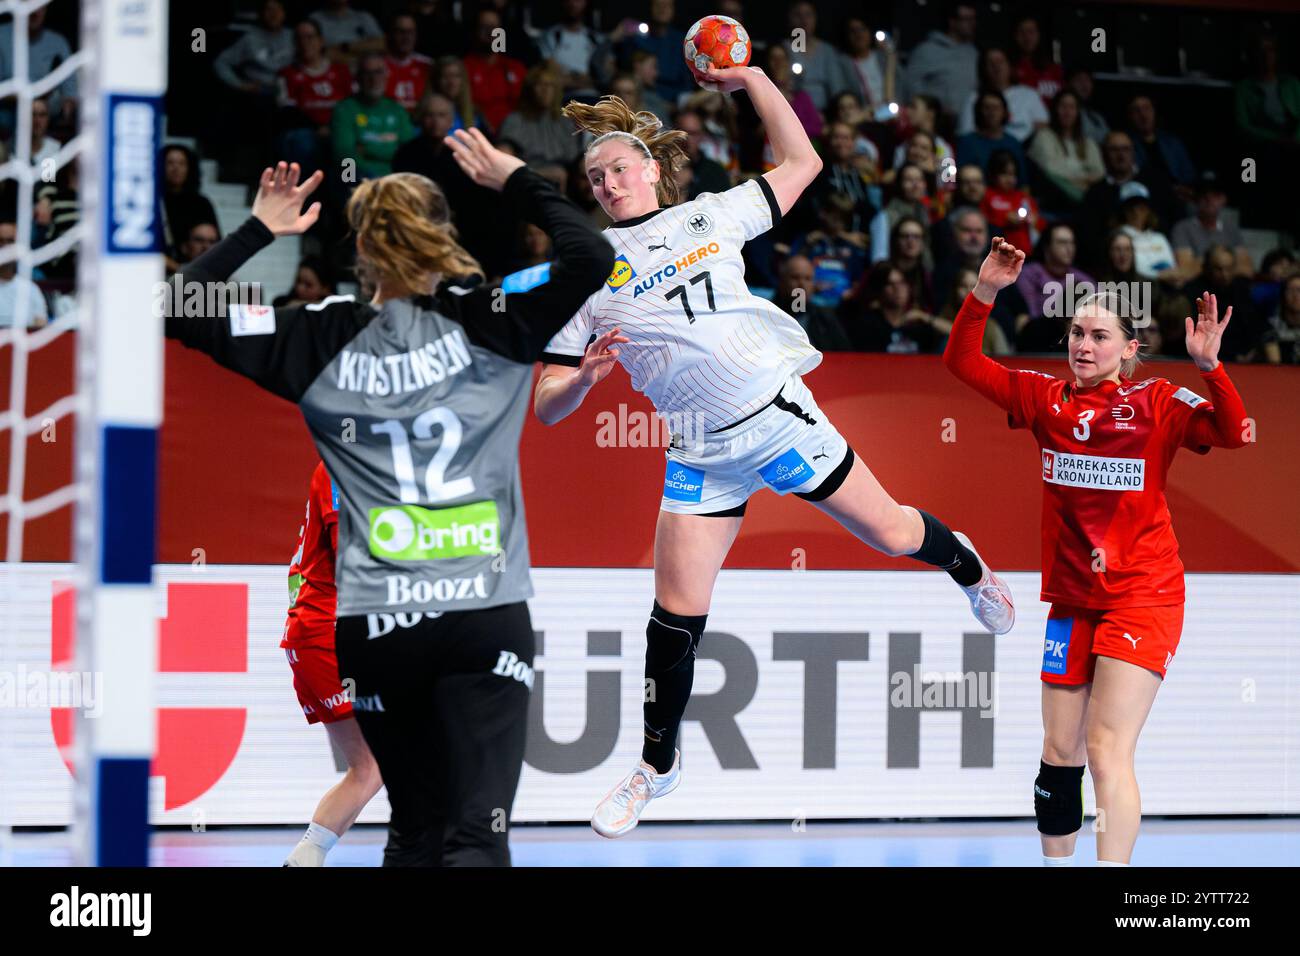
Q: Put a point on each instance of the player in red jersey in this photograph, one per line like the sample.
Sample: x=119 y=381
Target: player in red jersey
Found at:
x=312 y=82
x=309 y=644
x=1111 y=569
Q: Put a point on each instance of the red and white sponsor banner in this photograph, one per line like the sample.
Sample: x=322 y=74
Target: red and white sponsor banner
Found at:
x=236 y=462
x=818 y=694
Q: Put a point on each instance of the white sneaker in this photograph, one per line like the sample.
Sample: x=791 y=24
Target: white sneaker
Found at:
x=621 y=809
x=990 y=598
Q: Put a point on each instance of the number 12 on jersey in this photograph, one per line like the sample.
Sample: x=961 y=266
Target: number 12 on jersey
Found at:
x=679 y=291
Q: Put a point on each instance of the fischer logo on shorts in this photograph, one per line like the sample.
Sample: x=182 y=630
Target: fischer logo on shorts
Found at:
x=412 y=533
x=1056 y=646
x=682 y=482
x=788 y=471
x=1094 y=471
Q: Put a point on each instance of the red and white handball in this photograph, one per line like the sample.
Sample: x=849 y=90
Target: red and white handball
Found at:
x=716 y=41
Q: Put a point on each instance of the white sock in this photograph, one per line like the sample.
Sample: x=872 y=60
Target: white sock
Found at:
x=1110 y=863
x=313 y=846
x=1058 y=860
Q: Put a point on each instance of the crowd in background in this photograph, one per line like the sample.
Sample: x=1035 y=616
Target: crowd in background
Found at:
x=928 y=152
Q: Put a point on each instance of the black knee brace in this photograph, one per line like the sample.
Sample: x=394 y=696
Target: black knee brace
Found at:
x=1058 y=799
x=671 y=640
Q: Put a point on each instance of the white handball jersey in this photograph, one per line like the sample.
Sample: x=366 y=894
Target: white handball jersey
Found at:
x=701 y=344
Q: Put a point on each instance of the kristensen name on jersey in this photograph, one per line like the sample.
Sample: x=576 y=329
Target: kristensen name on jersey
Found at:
x=404 y=371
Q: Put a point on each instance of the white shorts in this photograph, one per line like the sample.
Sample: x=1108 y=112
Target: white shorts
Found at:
x=789 y=446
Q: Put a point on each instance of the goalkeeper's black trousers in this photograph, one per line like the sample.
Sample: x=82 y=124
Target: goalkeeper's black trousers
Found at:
x=443 y=705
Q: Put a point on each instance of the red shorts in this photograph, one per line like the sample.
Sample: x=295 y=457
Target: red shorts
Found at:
x=1076 y=637
x=316 y=676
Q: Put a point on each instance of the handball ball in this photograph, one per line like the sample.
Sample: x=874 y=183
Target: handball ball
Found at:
x=717 y=40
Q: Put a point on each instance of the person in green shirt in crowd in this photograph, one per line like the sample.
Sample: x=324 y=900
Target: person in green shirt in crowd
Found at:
x=368 y=127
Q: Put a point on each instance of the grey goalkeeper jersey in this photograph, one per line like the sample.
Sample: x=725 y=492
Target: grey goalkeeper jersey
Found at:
x=416 y=407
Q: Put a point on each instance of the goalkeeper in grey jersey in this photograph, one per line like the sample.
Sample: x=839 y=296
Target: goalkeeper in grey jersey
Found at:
x=416 y=401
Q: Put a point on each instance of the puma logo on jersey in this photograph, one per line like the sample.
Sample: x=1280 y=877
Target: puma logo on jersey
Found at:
x=661 y=244
x=672 y=268
x=821 y=454
x=405 y=371
x=1132 y=640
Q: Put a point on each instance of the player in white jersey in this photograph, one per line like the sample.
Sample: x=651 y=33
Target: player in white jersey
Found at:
x=723 y=367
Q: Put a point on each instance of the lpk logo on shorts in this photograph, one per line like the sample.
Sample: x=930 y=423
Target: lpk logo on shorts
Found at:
x=682 y=482
x=1056 y=646
x=788 y=471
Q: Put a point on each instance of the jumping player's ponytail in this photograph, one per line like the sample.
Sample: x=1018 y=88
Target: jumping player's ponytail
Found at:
x=611 y=118
x=405 y=234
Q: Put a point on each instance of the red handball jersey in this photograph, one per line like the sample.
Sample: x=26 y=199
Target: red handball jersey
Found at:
x=312 y=594
x=495 y=85
x=407 y=79
x=1108 y=540
x=316 y=94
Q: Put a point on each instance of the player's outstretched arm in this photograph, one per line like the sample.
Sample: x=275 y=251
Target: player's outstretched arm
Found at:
x=964 y=355
x=1226 y=427
x=797 y=162
x=560 y=389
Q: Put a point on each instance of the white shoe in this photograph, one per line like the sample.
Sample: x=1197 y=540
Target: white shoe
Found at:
x=990 y=598
x=621 y=809
x=305 y=854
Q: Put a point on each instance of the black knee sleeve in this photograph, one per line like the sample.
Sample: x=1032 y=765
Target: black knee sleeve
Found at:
x=1058 y=799
x=670 y=644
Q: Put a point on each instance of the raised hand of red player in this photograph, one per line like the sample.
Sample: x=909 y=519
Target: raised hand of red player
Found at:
x=1206 y=333
x=600 y=358
x=1002 y=266
x=280 y=196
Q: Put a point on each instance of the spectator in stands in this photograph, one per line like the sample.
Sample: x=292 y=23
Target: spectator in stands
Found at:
x=1046 y=274
x=513 y=17
x=719 y=142
x=794 y=296
x=1101 y=203
x=1033 y=65
x=437 y=31
x=943 y=65
x=580 y=191
x=46 y=49
x=312 y=282
x=1079 y=82
x=920 y=116
x=408 y=71
x=452 y=81
x=56 y=211
x=1153 y=255
x=348 y=32
x=910 y=254
x=1243 y=339
x=435 y=118
x=1167 y=306
x=1160 y=155
x=495 y=79
x=570 y=45
x=183 y=204
x=838 y=255
x=1282 y=338
x=911 y=200
x=995 y=339
x=645 y=70
x=886 y=319
x=874 y=63
x=970 y=185
x=1009 y=208
x=44 y=146
x=1069 y=160
x=665 y=41
x=369 y=127
x=800 y=100
x=250 y=64
x=1026 y=112
x=824 y=70
x=703 y=175
x=201 y=237
x=21 y=301
x=1268 y=101
x=990 y=135
x=965 y=247
x=310 y=87
x=1276 y=267
x=1192 y=237
x=537 y=126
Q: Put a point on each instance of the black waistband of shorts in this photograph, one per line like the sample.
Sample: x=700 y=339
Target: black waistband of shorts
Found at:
x=776 y=400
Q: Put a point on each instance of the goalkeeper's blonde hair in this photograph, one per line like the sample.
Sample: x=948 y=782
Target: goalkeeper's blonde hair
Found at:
x=611 y=118
x=405 y=236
